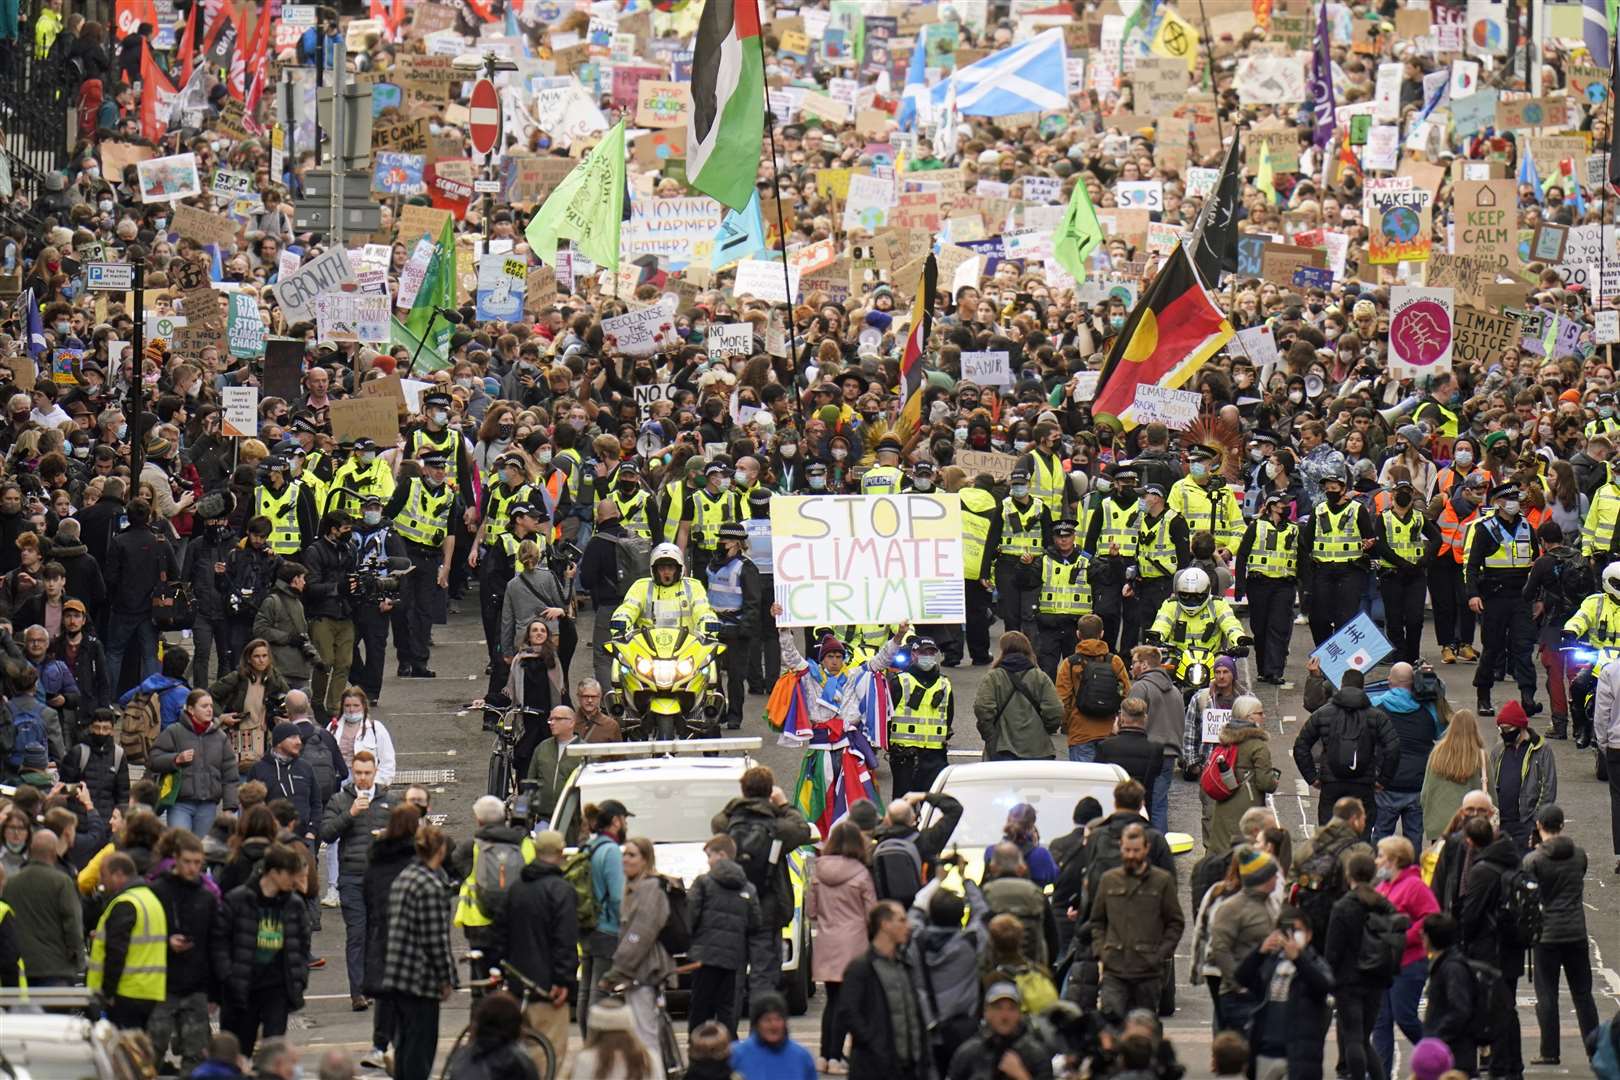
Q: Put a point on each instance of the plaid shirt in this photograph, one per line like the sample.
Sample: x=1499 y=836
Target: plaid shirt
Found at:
x=418 y=959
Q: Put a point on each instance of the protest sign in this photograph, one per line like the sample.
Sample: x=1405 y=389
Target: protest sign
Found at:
x=1358 y=646
x=351 y=316
x=1549 y=243
x=365 y=417
x=118 y=156
x=1420 y=331
x=987 y=368
x=1482 y=336
x=644 y=332
x=663 y=104
x=327 y=272
x=405 y=136
x=1270 y=80
x=1175 y=409
x=1400 y=226
x=648 y=395
x=731 y=339
x=678 y=231
x=1279 y=261
x=1140 y=194
x=1486 y=217
x=398 y=174
x=867 y=559
x=501 y=281
x=1606 y=327
x=167 y=179
x=762 y=280
x=231 y=185
x=241 y=419
x=244 y=329
x=1214 y=722
x=1532 y=113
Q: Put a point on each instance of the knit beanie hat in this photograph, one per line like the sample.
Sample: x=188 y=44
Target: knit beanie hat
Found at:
x=1255 y=866
x=1430 y=1058
x=1511 y=714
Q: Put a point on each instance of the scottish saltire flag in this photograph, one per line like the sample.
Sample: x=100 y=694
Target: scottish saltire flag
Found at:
x=36 y=324
x=914 y=103
x=1322 y=82
x=1595 y=29
x=1022 y=79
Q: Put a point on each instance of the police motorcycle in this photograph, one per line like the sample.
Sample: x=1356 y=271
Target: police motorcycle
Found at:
x=1190 y=662
x=1585 y=660
x=666 y=679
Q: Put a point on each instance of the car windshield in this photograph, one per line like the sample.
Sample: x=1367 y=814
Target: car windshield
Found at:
x=667 y=812
x=985 y=805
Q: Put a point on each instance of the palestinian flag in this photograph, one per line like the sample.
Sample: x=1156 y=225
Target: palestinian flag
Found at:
x=911 y=357
x=727 y=121
x=1175 y=328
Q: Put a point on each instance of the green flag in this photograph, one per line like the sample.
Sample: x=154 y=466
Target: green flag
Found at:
x=587 y=207
x=1078 y=234
x=438 y=290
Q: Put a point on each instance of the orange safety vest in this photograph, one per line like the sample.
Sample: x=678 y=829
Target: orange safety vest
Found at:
x=554 y=493
x=1454 y=533
x=1448 y=478
x=1535 y=515
x=1381 y=502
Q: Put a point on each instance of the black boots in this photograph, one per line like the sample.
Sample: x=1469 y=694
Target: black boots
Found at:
x=1484 y=703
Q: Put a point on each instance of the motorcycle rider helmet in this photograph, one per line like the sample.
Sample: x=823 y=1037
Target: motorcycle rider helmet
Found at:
x=1611 y=580
x=1192 y=588
x=668 y=553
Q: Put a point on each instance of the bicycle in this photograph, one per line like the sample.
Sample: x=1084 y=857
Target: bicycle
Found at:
x=674 y=1064
x=530 y=1041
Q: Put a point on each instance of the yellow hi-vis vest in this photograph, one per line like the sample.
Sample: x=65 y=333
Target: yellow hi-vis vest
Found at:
x=425 y=518
x=1405 y=538
x=576 y=471
x=371 y=480
x=672 y=520
x=285 y=539
x=146 y=967
x=1514 y=550
x=1064 y=587
x=977 y=506
x=1121 y=525
x=881 y=480
x=468 y=913
x=1336 y=539
x=1275 y=552
x=22 y=968
x=1157 y=556
x=633 y=513
x=498 y=514
x=446 y=442
x=1021 y=529
x=1597 y=531
x=1597 y=622
x=710 y=512
x=920 y=713
x=1046 y=482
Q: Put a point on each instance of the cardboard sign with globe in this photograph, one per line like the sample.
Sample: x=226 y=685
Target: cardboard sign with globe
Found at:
x=1401 y=226
x=1420 y=331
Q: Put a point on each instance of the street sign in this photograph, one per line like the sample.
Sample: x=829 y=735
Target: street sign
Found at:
x=302 y=15
x=487 y=187
x=485 y=118
x=109 y=277
x=352 y=186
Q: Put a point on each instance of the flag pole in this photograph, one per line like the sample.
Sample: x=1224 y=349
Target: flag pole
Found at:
x=781 y=221
x=1209 y=58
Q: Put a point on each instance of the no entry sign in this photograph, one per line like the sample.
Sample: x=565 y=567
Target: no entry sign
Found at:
x=485 y=126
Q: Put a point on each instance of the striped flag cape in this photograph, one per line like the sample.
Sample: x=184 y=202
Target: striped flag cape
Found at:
x=911 y=357
x=835 y=774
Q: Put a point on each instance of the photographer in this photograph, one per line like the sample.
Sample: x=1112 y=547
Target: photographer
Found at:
x=331 y=564
x=250 y=574
x=281 y=622
x=205 y=569
x=375 y=603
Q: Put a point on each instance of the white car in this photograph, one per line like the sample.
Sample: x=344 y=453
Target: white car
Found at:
x=673 y=799
x=51 y=1046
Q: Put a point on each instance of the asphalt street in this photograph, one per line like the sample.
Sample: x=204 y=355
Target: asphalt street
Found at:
x=439 y=741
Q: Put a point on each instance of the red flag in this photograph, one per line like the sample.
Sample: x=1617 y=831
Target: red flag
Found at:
x=392 y=15
x=260 y=60
x=482 y=9
x=157 y=95
x=188 y=44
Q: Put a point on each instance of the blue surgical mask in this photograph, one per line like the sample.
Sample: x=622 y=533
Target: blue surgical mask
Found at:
x=1018 y=491
x=372 y=517
x=63 y=328
x=818 y=482
x=961 y=434
x=1198 y=470
x=123 y=432
x=1116 y=323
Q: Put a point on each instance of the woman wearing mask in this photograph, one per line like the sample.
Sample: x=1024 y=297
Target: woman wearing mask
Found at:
x=196 y=748
x=1464 y=458
x=495 y=437
x=786 y=467
x=840 y=471
x=355 y=729
x=1400 y=881
x=640 y=960
x=1281 y=478
x=1406 y=448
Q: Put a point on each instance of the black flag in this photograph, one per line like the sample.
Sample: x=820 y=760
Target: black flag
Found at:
x=1215 y=231
x=1614 y=114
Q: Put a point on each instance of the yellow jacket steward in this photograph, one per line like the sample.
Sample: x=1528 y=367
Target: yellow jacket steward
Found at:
x=675 y=492
x=286 y=538
x=144 y=976
x=684 y=604
x=1597 y=622
x=1213 y=509
x=1065 y=589
x=978 y=507
x=468 y=913
x=22 y=968
x=1021 y=529
x=375 y=481
x=425 y=518
x=922 y=714
x=1597 y=531
x=498 y=510
x=1275 y=552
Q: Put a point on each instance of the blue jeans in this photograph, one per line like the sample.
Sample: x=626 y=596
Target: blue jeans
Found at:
x=1086 y=751
x=193 y=815
x=1159 y=801
x=126 y=634
x=1403 y=808
x=1400 y=1006
x=352 y=893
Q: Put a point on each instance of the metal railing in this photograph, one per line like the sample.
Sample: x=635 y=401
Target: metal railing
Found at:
x=36 y=110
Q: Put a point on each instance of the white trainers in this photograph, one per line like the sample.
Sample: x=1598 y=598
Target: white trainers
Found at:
x=331 y=899
x=375 y=1059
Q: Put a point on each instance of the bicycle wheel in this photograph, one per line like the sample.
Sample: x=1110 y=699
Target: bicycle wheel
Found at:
x=539 y=1048
x=674 y=1065
x=461 y=1040
x=500 y=773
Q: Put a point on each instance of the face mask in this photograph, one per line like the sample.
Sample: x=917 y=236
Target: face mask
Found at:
x=101 y=742
x=372 y=517
x=840 y=454
x=926 y=663
x=158 y=223
x=1384 y=874
x=1198 y=470
x=1018 y=491
x=1334 y=497
x=467 y=383
x=1403 y=499
x=17 y=847
x=123 y=432
x=63 y=328
x=353 y=717
x=1256 y=455
x=1510 y=507
x=1273 y=469
x=961 y=434
x=504 y=431
x=439 y=416
x=1296 y=396
x=722 y=482
x=1020 y=445
x=81 y=451
x=542 y=458
x=790 y=449
x=1104 y=485
x=1463 y=457
x=106 y=206
x=1116 y=323
x=1605 y=412
x=577 y=423
x=818 y=482
x=1510 y=735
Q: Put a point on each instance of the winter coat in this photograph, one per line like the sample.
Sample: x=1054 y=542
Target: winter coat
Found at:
x=791 y=830
x=281 y=622
x=355 y=832
x=1347 y=922
x=1134 y=752
x=1606 y=709
x=104 y=772
x=171 y=692
x=981 y=1055
x=240 y=868
x=551 y=769
x=292 y=780
x=948 y=956
x=1257 y=778
x=1017 y=723
x=864 y=1007
x=373 y=735
x=1136 y=921
x=528 y=594
x=1166 y=709
x=1559 y=867
x=84 y=581
x=1385 y=744
x=1450 y=1015
x=191 y=908
x=1482 y=913
x=230 y=690
x=724 y=914
x=137 y=559
x=755 y=1059
x=1294 y=1026
x=1417 y=728
x=236 y=941
x=841 y=893
x=494 y=1060
x=326 y=590
x=540 y=935
x=90 y=670
x=50 y=922
x=385 y=861
x=1082 y=727
x=640 y=956
x=1538 y=776
x=1413 y=899
x=208 y=588
x=417 y=958
x=1237 y=928
x=211 y=775
x=1442 y=798
x=1013 y=895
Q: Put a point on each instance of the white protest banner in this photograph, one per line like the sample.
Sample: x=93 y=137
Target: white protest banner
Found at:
x=1201 y=181
x=1140 y=194
x=1270 y=80
x=644 y=332
x=867 y=559
x=327 y=272
x=233 y=185
x=870 y=200
x=1387 y=91
x=1383 y=150
x=763 y=281
x=241 y=420
x=1259 y=345
x=166 y=179
x=1175 y=409
x=415 y=269
x=1420 y=331
x=1606 y=327
x=646 y=396
x=1043 y=189
x=987 y=368
x=678 y=231
x=351 y=316
x=1215 y=721
x=731 y=339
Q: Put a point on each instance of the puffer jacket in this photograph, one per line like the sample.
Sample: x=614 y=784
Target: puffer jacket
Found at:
x=356 y=832
x=528 y=594
x=1257 y=778
x=841 y=893
x=790 y=830
x=1417 y=729
x=281 y=622
x=211 y=775
x=1013 y=723
x=104 y=772
x=190 y=907
x=640 y=956
x=982 y=1054
x=1538 y=776
x=386 y=860
x=1559 y=867
x=950 y=954
x=724 y=912
x=230 y=690
x=236 y=940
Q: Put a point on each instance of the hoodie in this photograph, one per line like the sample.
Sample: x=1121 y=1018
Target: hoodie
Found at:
x=756 y=1059
x=1166 y=710
x=1482 y=907
x=1559 y=867
x=724 y=912
x=1373 y=757
x=1082 y=727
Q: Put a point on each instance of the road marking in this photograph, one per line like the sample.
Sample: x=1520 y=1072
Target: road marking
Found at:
x=1289 y=719
x=1609 y=975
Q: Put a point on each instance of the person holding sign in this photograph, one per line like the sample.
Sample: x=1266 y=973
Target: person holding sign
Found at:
x=1334 y=542
x=1501 y=549
x=1023 y=529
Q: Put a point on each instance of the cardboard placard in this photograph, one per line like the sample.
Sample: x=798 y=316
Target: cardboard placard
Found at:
x=405 y=136
x=1552 y=112
x=418 y=221
x=118 y=156
x=1486 y=220
x=663 y=104
x=974 y=462
x=1483 y=336
x=365 y=417
x=1279 y=261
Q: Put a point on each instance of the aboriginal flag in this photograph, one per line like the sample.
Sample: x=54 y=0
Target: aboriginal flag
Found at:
x=912 y=373
x=1174 y=329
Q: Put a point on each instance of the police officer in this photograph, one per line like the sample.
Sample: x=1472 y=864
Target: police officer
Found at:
x=435 y=436
x=1023 y=534
x=921 y=481
x=635 y=505
x=375 y=543
x=495 y=568
x=736 y=596
x=1406 y=544
x=491 y=556
x=1605 y=424
x=920 y=721
x=978 y=565
x=289 y=506
x=667 y=597
x=1113 y=539
x=1205 y=499
x=421 y=510
x=1164 y=547
x=1197 y=623
x=884 y=478
x=1267 y=570
x=310 y=464
x=1065 y=596
x=1048 y=479
x=1596 y=622
x=1501 y=548
x=507 y=488
x=765 y=652
x=1333 y=546
x=129 y=952
x=710 y=507
x=362 y=475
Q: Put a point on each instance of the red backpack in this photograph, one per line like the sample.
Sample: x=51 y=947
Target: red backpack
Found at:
x=1219 y=779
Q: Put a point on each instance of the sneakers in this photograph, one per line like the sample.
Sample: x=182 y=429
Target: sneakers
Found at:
x=1467 y=654
x=1285 y=684
x=331 y=899
x=1448 y=655
x=375 y=1059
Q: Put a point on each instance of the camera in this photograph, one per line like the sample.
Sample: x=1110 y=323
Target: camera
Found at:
x=307 y=649
x=522 y=809
x=378 y=578
x=243 y=601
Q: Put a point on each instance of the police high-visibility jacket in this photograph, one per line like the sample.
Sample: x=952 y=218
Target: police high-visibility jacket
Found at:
x=881 y=480
x=726 y=586
x=146 y=964
x=468 y=913
x=1454 y=532
x=1160 y=554
x=1596 y=622
x=424 y=520
x=633 y=512
x=1021 y=529
x=1404 y=538
x=1206 y=629
x=22 y=968
x=498 y=503
x=922 y=712
x=1603 y=425
x=1065 y=590
x=1114 y=524
x=1213 y=509
x=1337 y=537
x=1047 y=480
x=1499 y=554
x=374 y=480
x=683 y=604
x=709 y=512
x=675 y=493
x=1440 y=418
x=286 y=533
x=575 y=464
x=1272 y=552
x=1597 y=531
x=316 y=477
x=978 y=509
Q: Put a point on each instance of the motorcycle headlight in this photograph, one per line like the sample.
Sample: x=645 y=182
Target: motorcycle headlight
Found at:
x=684 y=667
x=644 y=667
x=664 y=673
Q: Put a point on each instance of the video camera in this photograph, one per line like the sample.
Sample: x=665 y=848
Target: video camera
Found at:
x=379 y=578
x=562 y=555
x=522 y=809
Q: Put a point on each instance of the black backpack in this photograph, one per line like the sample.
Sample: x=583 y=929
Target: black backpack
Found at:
x=1573 y=581
x=1522 y=915
x=676 y=935
x=1099 y=692
x=1349 y=745
x=756 y=843
x=1318 y=882
x=1383 y=940
x=897 y=869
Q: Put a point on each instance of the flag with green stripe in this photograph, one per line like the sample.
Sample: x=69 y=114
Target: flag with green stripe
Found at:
x=727 y=122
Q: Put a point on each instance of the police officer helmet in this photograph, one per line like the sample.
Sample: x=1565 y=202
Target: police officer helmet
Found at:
x=1192 y=588
x=669 y=553
x=1611 y=579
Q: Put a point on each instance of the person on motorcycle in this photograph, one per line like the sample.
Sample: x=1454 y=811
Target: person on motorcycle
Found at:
x=1597 y=623
x=666 y=599
x=1197 y=625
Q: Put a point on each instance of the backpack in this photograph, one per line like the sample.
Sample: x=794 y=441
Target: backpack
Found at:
x=1099 y=692
x=1318 y=881
x=84 y=757
x=756 y=850
x=1487 y=981
x=633 y=555
x=1219 y=778
x=27 y=729
x=1524 y=915
x=499 y=866
x=139 y=725
x=1036 y=990
x=1383 y=940
x=576 y=870
x=1349 y=748
x=897 y=869
x=676 y=935
x=1573 y=581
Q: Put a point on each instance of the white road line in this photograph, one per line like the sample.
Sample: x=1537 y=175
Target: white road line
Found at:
x=1606 y=973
